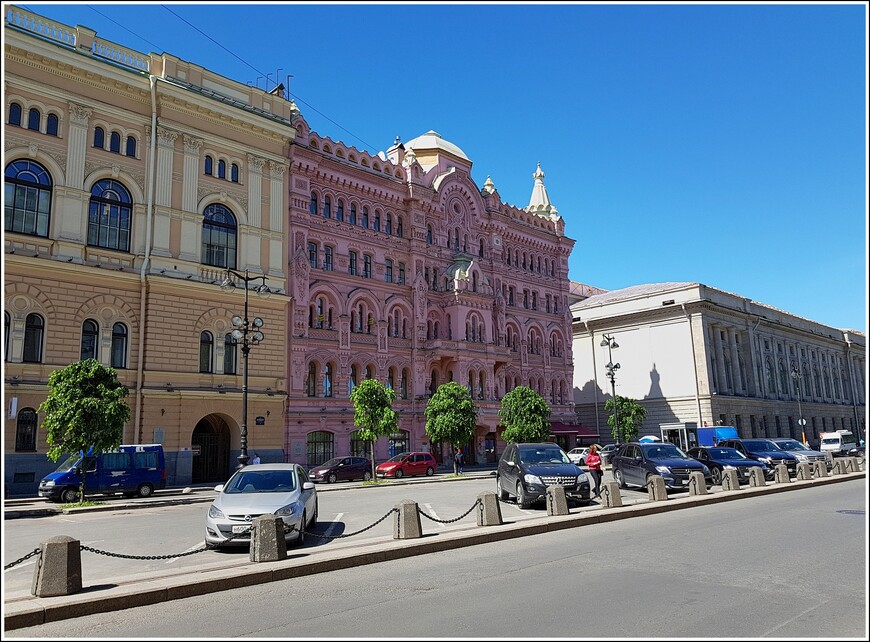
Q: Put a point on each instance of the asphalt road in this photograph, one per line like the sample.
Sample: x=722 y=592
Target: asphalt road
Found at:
x=785 y=565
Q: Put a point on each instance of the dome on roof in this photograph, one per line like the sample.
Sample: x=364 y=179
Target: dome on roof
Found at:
x=433 y=140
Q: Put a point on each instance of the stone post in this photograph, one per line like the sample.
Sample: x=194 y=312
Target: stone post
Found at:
x=780 y=475
x=656 y=488
x=59 y=567
x=730 y=481
x=804 y=471
x=268 y=543
x=488 y=509
x=557 y=503
x=697 y=483
x=407 y=524
x=610 y=494
x=820 y=469
x=756 y=478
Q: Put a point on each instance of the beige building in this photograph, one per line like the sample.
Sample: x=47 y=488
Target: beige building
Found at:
x=132 y=182
x=696 y=356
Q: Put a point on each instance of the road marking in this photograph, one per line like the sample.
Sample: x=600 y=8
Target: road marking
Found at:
x=435 y=515
x=334 y=524
x=192 y=548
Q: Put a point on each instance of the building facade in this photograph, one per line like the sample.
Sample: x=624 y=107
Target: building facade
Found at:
x=695 y=356
x=136 y=183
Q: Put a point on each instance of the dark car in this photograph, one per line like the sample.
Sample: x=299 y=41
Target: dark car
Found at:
x=765 y=451
x=342 y=468
x=525 y=471
x=720 y=458
x=634 y=463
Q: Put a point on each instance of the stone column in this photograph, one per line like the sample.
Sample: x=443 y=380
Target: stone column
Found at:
x=163 y=191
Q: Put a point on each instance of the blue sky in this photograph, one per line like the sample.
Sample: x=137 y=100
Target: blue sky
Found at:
x=724 y=144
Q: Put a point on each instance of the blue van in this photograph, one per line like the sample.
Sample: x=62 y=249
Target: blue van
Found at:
x=137 y=469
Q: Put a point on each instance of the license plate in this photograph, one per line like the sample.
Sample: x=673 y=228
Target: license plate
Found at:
x=241 y=529
x=684 y=481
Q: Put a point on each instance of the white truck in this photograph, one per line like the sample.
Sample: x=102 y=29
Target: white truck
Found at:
x=838 y=443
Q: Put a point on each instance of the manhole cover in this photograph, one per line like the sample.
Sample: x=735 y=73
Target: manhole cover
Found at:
x=851 y=512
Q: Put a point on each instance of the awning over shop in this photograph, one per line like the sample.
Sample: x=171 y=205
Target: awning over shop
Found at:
x=558 y=428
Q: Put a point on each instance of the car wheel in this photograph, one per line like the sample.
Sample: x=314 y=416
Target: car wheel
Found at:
x=145 y=490
x=399 y=473
x=503 y=495
x=331 y=479
x=430 y=471
x=69 y=495
x=522 y=500
x=717 y=476
x=367 y=476
x=300 y=539
x=617 y=475
x=314 y=517
x=582 y=461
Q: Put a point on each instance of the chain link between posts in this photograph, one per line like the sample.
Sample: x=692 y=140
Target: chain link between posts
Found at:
x=476 y=503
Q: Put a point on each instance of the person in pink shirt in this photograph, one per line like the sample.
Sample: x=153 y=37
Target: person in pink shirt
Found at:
x=593 y=463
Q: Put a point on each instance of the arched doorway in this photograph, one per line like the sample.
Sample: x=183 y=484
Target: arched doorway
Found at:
x=210 y=444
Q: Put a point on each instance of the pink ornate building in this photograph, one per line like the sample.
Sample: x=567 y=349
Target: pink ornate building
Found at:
x=401 y=268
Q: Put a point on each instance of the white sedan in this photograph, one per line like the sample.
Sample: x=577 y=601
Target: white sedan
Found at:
x=578 y=455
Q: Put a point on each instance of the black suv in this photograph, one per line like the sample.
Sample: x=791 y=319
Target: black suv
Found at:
x=525 y=471
x=634 y=463
x=765 y=451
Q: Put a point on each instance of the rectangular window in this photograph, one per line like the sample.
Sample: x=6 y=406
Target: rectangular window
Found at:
x=351 y=266
x=327 y=259
x=401 y=274
x=367 y=266
x=388 y=272
x=312 y=254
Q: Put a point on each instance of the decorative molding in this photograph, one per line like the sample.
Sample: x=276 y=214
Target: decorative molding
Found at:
x=277 y=170
x=166 y=137
x=79 y=115
x=255 y=164
x=191 y=144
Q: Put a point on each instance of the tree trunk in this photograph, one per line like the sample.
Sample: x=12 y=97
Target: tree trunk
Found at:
x=374 y=476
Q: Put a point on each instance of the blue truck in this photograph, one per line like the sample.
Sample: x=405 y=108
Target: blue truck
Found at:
x=131 y=469
x=710 y=436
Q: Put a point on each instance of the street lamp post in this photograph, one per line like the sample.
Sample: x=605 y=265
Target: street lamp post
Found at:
x=246 y=332
x=610 y=343
x=796 y=375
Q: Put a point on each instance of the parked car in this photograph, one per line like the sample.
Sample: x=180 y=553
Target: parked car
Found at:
x=578 y=455
x=765 y=451
x=802 y=452
x=525 y=471
x=719 y=459
x=634 y=463
x=607 y=452
x=261 y=489
x=407 y=464
x=342 y=468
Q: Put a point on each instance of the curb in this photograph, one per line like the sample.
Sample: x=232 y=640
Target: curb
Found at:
x=109 y=595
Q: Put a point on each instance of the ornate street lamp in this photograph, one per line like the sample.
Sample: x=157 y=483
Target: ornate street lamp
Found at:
x=610 y=343
x=246 y=333
x=797 y=375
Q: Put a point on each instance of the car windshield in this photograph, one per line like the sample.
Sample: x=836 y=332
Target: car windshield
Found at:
x=761 y=444
x=791 y=444
x=543 y=455
x=332 y=462
x=726 y=453
x=68 y=464
x=397 y=458
x=664 y=451
x=261 y=481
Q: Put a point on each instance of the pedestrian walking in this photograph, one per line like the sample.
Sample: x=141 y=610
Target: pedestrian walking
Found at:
x=459 y=457
x=593 y=463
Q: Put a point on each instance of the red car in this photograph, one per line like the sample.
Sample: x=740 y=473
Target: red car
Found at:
x=407 y=464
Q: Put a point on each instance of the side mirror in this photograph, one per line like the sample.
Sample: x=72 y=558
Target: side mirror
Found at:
x=218 y=488
x=308 y=485
x=510 y=463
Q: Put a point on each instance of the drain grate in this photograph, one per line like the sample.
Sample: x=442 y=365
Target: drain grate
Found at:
x=851 y=512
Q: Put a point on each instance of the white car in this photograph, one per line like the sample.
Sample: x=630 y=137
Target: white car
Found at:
x=261 y=489
x=578 y=455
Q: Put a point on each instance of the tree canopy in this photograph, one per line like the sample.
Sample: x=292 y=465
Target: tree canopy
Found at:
x=373 y=412
x=631 y=417
x=525 y=415
x=451 y=416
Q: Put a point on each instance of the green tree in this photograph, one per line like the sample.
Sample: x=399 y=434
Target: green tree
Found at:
x=373 y=412
x=451 y=416
x=631 y=417
x=525 y=416
x=86 y=409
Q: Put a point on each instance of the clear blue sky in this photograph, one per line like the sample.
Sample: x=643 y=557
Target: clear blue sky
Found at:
x=724 y=144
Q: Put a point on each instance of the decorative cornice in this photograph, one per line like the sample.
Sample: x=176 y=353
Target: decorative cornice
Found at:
x=79 y=115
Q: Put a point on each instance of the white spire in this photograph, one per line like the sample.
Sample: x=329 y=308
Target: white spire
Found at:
x=540 y=202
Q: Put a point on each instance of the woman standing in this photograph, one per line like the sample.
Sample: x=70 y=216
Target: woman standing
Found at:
x=593 y=462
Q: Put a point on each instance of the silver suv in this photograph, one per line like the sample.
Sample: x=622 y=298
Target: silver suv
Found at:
x=802 y=452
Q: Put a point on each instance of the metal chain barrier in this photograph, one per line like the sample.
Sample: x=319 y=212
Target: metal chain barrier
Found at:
x=476 y=503
x=362 y=530
x=35 y=551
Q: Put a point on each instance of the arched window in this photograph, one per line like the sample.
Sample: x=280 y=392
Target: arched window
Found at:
x=339 y=212
x=403 y=386
x=99 y=137
x=206 y=343
x=28 y=198
x=51 y=125
x=119 y=345
x=234 y=173
x=311 y=382
x=229 y=354
x=389 y=228
x=34 y=328
x=209 y=165
x=6 y=327
x=327 y=380
x=365 y=217
x=25 y=430
x=222 y=169
x=33 y=119
x=110 y=216
x=358 y=447
x=352 y=219
x=131 y=147
x=115 y=143
x=399 y=231
x=219 y=237
x=377 y=220
x=327 y=207
x=15 y=114
x=429 y=234
x=327 y=258
x=320 y=447
x=90 y=339
x=312 y=204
